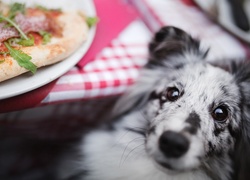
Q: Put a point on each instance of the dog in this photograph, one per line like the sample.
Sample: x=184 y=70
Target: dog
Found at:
x=184 y=119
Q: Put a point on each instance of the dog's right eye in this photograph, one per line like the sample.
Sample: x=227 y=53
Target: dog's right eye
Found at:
x=172 y=94
x=220 y=113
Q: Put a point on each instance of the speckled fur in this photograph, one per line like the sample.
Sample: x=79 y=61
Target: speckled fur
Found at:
x=130 y=149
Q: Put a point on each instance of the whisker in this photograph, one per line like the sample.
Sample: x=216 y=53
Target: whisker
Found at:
x=122 y=136
x=132 y=150
x=144 y=117
x=140 y=131
x=123 y=153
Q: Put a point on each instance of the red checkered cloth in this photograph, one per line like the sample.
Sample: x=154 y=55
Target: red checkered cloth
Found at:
x=117 y=66
x=114 y=69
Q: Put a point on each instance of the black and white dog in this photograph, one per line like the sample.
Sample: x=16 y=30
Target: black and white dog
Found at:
x=185 y=119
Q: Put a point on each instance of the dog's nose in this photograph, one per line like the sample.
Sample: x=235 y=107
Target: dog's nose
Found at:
x=173 y=144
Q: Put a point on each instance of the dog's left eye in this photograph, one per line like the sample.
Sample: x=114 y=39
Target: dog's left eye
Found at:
x=173 y=94
x=220 y=113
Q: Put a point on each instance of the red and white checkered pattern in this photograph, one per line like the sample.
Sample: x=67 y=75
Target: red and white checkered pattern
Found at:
x=116 y=66
x=113 y=70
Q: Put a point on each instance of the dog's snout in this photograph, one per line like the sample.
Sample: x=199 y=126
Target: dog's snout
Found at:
x=173 y=144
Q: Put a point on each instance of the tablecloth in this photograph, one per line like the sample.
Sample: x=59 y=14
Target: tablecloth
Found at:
x=116 y=66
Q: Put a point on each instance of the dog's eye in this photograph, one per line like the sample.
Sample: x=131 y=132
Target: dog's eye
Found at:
x=173 y=94
x=220 y=113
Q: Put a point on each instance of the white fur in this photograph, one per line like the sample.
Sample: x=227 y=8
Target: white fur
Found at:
x=121 y=155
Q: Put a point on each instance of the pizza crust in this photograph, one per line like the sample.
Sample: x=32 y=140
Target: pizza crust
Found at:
x=75 y=32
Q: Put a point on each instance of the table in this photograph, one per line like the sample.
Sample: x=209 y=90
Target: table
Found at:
x=116 y=63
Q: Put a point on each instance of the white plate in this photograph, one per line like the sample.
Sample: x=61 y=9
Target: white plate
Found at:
x=27 y=82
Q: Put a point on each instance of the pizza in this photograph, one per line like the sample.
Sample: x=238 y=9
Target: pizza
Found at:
x=33 y=37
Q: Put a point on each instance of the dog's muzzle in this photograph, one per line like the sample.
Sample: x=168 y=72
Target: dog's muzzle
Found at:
x=173 y=144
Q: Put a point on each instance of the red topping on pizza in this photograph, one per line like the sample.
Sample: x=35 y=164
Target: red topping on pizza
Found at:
x=33 y=23
x=7 y=32
x=37 y=38
x=34 y=20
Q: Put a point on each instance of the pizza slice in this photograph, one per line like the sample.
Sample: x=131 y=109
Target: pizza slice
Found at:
x=33 y=37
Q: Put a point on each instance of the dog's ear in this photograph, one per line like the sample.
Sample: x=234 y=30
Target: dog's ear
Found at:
x=170 y=41
x=242 y=159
